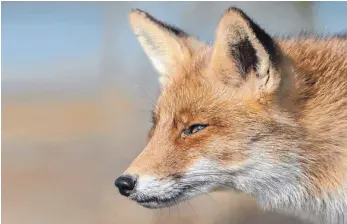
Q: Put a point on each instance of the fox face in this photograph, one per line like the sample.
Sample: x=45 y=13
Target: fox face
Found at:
x=219 y=121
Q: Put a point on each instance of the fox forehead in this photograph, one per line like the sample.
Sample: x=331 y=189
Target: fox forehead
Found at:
x=193 y=92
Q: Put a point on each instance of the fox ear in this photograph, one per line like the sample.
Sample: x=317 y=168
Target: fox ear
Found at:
x=242 y=49
x=165 y=45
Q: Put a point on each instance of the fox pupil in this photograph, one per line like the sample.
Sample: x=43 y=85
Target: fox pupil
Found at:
x=194 y=129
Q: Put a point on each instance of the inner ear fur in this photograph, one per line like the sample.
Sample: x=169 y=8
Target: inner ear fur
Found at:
x=243 y=49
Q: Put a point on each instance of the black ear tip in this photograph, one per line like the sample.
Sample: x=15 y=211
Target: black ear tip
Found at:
x=164 y=25
x=138 y=11
x=237 y=10
x=135 y=10
x=232 y=8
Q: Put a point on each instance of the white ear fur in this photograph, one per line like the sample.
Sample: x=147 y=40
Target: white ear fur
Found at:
x=166 y=46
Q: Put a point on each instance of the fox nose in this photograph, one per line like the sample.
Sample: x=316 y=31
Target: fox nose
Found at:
x=125 y=184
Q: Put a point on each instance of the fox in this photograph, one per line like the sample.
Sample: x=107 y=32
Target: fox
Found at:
x=261 y=115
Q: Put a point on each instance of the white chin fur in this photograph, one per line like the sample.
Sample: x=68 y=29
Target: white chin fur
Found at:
x=201 y=178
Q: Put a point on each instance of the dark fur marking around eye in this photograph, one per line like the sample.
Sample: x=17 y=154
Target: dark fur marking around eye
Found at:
x=154 y=123
x=153 y=118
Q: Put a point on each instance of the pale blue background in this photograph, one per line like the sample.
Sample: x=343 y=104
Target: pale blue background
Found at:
x=51 y=42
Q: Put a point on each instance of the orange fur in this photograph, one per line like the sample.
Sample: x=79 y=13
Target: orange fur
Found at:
x=299 y=112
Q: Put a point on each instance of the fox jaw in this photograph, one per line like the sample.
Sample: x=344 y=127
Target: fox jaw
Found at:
x=221 y=119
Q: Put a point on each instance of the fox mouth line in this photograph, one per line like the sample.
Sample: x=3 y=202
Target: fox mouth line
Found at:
x=180 y=191
x=160 y=202
x=155 y=202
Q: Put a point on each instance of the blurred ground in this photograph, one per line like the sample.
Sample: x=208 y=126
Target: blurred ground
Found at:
x=77 y=91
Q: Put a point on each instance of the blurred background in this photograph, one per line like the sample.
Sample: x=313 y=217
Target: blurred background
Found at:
x=77 y=90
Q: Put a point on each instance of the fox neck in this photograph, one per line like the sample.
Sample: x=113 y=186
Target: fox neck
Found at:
x=310 y=180
x=287 y=187
x=290 y=196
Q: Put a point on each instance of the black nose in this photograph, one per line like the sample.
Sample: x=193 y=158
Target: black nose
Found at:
x=125 y=184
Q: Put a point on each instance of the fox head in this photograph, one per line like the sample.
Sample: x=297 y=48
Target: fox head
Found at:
x=220 y=121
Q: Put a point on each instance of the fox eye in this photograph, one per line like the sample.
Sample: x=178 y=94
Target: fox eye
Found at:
x=193 y=129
